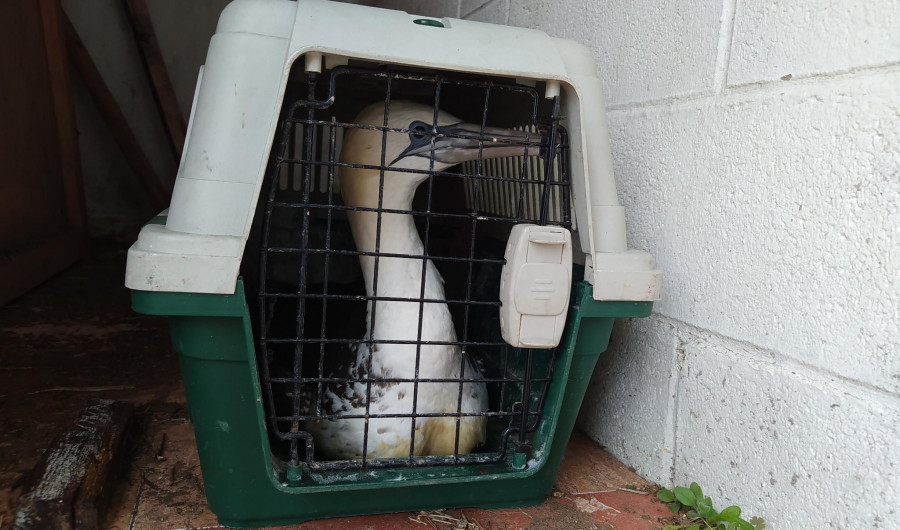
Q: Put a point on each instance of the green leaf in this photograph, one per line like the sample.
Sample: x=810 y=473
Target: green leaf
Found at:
x=671 y=527
x=732 y=514
x=665 y=495
x=743 y=525
x=705 y=508
x=693 y=527
x=692 y=514
x=685 y=496
x=674 y=506
x=695 y=488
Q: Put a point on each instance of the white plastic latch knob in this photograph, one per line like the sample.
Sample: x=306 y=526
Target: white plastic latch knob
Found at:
x=535 y=285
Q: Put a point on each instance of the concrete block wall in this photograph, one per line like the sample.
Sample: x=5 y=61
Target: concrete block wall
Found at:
x=757 y=153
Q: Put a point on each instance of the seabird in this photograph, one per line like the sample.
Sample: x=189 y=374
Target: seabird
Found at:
x=417 y=138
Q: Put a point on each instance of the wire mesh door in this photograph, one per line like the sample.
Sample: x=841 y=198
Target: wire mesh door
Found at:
x=338 y=346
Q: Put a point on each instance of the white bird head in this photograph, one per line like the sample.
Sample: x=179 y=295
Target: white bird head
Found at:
x=419 y=139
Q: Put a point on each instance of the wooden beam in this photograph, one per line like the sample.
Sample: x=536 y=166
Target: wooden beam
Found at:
x=112 y=114
x=72 y=483
x=155 y=67
x=69 y=157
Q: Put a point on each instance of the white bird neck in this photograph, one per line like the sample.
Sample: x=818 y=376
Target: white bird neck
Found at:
x=398 y=232
x=398 y=277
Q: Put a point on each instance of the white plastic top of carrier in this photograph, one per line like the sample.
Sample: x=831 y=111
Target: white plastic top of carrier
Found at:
x=235 y=113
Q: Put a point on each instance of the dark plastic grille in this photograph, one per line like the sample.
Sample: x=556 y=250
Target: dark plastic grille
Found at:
x=311 y=302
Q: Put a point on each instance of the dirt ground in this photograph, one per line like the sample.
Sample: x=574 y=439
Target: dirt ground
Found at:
x=75 y=339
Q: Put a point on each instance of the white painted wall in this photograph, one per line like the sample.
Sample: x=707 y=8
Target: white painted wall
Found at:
x=757 y=151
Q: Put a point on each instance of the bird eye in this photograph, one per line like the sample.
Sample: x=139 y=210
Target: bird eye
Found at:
x=418 y=130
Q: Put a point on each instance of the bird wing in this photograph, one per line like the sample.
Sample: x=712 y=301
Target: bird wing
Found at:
x=389 y=436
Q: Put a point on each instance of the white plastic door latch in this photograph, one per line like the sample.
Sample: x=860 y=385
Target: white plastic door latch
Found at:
x=535 y=285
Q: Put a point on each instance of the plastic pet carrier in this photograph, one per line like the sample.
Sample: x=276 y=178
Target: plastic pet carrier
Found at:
x=393 y=255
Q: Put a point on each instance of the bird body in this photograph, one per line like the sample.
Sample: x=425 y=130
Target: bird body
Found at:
x=425 y=328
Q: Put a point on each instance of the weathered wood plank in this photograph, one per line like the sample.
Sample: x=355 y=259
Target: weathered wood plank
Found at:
x=69 y=486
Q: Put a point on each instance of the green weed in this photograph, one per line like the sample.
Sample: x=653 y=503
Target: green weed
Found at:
x=700 y=512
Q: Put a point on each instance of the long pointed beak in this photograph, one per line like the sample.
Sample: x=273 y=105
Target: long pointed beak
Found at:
x=461 y=142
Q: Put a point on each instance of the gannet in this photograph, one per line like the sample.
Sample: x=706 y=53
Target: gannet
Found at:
x=410 y=148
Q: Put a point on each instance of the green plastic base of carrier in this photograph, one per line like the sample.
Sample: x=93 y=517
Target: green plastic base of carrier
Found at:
x=247 y=487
